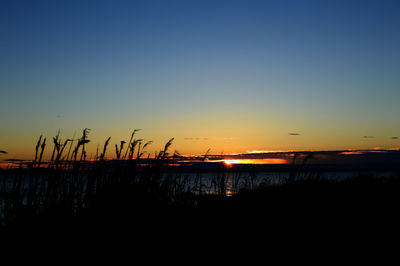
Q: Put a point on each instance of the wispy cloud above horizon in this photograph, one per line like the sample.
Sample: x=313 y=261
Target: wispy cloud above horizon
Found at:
x=261 y=151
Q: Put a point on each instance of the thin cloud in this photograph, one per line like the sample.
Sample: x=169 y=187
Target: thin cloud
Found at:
x=195 y=138
x=395 y=137
x=294 y=134
x=352 y=152
x=368 y=137
x=260 y=151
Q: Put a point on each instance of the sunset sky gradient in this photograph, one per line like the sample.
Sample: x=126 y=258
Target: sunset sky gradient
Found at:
x=233 y=76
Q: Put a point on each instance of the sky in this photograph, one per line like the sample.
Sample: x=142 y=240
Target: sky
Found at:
x=230 y=76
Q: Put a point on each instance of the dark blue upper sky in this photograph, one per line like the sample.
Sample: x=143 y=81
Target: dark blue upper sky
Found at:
x=213 y=69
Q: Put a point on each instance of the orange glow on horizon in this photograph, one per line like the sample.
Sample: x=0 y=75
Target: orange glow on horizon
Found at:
x=352 y=152
x=255 y=161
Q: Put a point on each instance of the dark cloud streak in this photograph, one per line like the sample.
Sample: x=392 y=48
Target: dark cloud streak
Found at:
x=195 y=138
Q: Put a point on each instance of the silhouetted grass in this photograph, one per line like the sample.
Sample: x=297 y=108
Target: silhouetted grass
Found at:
x=73 y=211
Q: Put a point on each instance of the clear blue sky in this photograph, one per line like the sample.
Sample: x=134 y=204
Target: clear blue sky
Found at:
x=237 y=75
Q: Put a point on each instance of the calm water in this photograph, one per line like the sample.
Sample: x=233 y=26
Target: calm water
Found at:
x=212 y=182
x=233 y=181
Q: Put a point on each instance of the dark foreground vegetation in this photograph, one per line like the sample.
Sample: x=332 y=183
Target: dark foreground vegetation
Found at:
x=120 y=212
